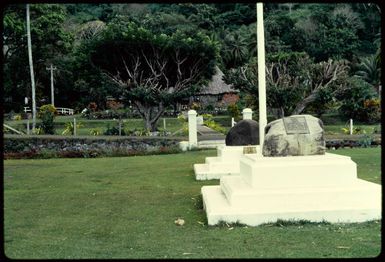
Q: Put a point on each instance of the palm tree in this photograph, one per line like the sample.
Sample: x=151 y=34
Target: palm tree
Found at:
x=370 y=71
x=235 y=51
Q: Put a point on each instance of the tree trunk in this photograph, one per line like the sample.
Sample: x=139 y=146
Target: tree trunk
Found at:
x=281 y=112
x=304 y=103
x=150 y=114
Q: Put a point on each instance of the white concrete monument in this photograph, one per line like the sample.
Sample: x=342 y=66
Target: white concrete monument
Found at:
x=318 y=187
x=227 y=160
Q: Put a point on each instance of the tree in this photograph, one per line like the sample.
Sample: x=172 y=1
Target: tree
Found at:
x=329 y=32
x=234 y=51
x=293 y=80
x=370 y=71
x=154 y=70
x=50 y=43
x=353 y=98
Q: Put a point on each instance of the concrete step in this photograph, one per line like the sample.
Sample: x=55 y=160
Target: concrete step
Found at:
x=344 y=210
x=210 y=143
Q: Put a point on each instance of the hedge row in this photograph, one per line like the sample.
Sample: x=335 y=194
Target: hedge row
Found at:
x=86 y=146
x=16 y=147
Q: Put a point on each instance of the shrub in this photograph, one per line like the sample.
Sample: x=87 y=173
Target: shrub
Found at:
x=47 y=115
x=113 y=131
x=17 y=117
x=92 y=106
x=209 y=122
x=69 y=128
x=137 y=132
x=108 y=114
x=182 y=119
x=358 y=102
x=95 y=132
x=372 y=110
x=196 y=106
x=365 y=140
x=233 y=111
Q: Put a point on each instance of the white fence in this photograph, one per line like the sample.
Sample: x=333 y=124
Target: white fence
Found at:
x=60 y=110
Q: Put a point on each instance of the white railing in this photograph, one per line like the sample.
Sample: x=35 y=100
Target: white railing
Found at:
x=65 y=111
x=14 y=130
x=60 y=110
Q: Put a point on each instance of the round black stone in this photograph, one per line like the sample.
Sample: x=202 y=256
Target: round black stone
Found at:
x=245 y=132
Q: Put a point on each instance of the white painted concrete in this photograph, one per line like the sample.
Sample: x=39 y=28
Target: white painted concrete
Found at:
x=314 y=188
x=184 y=145
x=192 y=129
x=227 y=162
x=247 y=113
x=261 y=76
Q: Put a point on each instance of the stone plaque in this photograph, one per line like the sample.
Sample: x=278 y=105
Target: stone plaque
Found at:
x=296 y=125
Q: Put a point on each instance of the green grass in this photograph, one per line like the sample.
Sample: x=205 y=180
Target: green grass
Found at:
x=172 y=124
x=125 y=207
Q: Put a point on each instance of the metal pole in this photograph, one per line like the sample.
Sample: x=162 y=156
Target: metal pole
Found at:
x=52 y=92
x=351 y=126
x=261 y=76
x=31 y=70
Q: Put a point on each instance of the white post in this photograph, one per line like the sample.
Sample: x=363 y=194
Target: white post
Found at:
x=120 y=126
x=232 y=122
x=74 y=126
x=247 y=113
x=28 y=126
x=164 y=123
x=351 y=126
x=261 y=76
x=192 y=128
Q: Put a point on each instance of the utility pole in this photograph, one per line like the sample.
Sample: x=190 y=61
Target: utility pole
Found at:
x=31 y=71
x=52 y=93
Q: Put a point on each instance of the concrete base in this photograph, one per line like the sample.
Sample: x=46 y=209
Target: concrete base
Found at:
x=315 y=188
x=225 y=163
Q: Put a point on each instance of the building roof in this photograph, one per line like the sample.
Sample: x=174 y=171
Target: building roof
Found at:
x=217 y=86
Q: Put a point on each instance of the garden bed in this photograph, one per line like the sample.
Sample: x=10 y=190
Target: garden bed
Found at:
x=86 y=146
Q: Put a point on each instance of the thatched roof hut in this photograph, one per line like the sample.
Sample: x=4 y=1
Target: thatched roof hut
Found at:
x=217 y=86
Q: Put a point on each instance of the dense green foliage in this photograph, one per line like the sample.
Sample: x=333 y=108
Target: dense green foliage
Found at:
x=153 y=70
x=47 y=115
x=64 y=34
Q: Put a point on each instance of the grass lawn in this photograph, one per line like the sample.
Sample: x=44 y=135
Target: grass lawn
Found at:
x=125 y=207
x=172 y=124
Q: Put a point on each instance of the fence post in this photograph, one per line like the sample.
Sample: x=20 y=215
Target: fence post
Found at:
x=120 y=126
x=351 y=126
x=164 y=123
x=74 y=126
x=247 y=113
x=28 y=126
x=192 y=128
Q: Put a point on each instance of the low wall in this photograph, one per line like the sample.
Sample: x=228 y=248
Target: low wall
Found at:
x=16 y=146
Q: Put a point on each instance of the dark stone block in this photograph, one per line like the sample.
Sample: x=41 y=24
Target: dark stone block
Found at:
x=245 y=132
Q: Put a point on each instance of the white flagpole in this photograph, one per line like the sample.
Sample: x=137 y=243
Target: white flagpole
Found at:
x=261 y=76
